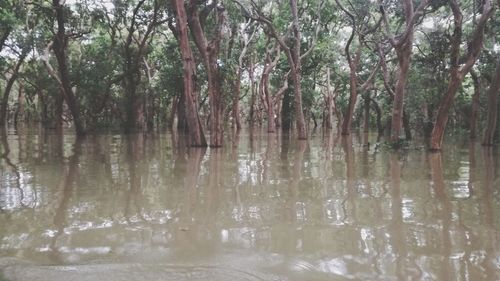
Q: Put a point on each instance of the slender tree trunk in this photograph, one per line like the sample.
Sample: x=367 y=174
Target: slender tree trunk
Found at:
x=271 y=126
x=265 y=94
x=493 y=92
x=59 y=47
x=353 y=95
x=475 y=105
x=366 y=125
x=328 y=103
x=21 y=100
x=296 y=68
x=252 y=93
x=196 y=136
x=58 y=111
x=378 y=111
x=236 y=102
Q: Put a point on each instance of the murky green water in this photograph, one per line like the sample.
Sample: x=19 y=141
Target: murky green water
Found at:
x=116 y=207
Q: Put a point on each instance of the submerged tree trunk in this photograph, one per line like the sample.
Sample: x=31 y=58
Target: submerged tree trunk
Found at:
x=457 y=72
x=195 y=129
x=59 y=46
x=493 y=92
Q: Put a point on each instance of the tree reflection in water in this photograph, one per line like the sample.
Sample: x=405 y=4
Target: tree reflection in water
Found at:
x=302 y=210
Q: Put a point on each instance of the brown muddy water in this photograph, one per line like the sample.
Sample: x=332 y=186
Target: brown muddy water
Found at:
x=114 y=207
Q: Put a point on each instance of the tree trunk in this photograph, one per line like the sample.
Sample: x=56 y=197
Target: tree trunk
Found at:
x=134 y=105
x=353 y=95
x=366 y=123
x=59 y=47
x=209 y=51
x=378 y=111
x=327 y=118
x=403 y=52
x=406 y=125
x=265 y=94
x=437 y=134
x=296 y=68
x=5 y=99
x=404 y=55
x=236 y=102
x=475 y=105
x=21 y=99
x=493 y=91
x=58 y=111
x=195 y=129
x=458 y=72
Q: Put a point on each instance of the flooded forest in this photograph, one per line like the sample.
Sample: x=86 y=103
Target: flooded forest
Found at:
x=249 y=140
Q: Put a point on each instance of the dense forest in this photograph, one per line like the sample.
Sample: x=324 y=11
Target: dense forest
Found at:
x=401 y=68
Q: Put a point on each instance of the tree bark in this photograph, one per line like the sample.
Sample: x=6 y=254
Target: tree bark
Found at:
x=59 y=46
x=195 y=129
x=493 y=91
x=457 y=72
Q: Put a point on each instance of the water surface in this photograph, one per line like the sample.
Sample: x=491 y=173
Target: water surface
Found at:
x=265 y=207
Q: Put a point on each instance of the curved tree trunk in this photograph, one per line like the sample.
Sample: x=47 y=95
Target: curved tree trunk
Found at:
x=209 y=51
x=8 y=88
x=59 y=47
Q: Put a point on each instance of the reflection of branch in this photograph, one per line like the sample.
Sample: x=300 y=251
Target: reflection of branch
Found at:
x=67 y=185
x=15 y=169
